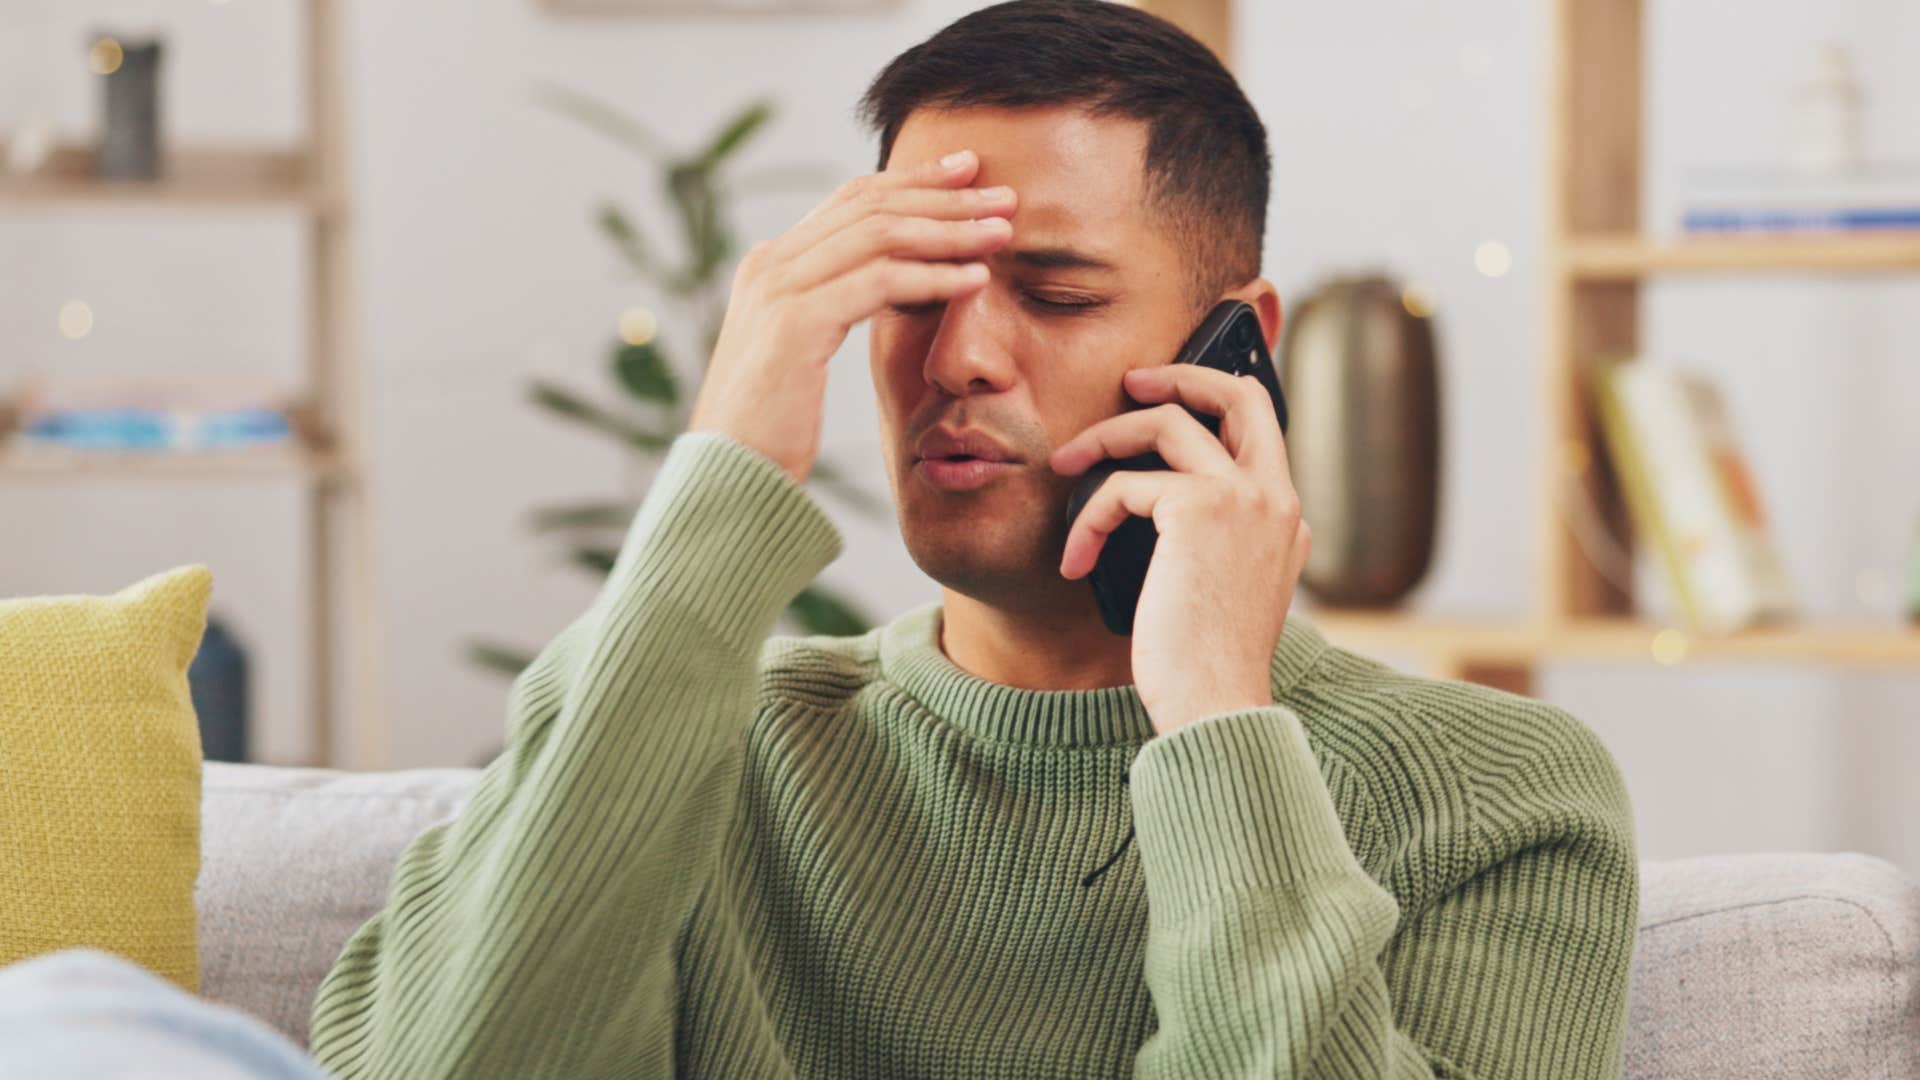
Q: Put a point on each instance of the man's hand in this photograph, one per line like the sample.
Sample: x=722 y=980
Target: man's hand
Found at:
x=909 y=235
x=1232 y=541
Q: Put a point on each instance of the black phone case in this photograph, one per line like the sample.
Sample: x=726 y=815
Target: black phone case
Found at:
x=1230 y=340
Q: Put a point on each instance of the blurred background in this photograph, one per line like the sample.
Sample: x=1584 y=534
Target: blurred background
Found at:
x=382 y=312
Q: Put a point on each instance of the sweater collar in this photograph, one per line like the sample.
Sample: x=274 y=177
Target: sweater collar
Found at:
x=911 y=658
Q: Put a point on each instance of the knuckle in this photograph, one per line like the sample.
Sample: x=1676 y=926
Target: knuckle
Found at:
x=883 y=278
x=754 y=259
x=889 y=230
x=1286 y=506
x=1261 y=400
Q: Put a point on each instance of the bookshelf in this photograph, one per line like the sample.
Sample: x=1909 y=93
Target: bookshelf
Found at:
x=1625 y=257
x=327 y=456
x=1598 y=258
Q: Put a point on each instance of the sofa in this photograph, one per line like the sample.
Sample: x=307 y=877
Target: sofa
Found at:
x=1748 y=966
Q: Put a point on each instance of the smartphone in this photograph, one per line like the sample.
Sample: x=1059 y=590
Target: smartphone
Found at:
x=1230 y=340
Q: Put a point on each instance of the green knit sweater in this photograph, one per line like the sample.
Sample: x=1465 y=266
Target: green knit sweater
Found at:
x=705 y=853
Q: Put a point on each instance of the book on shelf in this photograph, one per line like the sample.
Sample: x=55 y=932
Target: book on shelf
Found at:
x=1882 y=199
x=1691 y=494
x=150 y=414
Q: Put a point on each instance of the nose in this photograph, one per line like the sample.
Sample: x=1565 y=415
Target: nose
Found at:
x=966 y=356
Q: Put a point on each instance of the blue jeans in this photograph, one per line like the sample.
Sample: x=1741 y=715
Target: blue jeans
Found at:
x=83 y=1012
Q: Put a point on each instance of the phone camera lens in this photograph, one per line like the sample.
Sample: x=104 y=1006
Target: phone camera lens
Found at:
x=1240 y=338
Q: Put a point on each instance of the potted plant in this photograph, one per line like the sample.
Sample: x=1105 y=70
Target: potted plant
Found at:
x=698 y=189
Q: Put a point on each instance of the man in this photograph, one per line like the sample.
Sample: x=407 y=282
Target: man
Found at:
x=991 y=838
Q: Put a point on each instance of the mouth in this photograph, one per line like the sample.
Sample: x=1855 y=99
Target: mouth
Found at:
x=949 y=459
x=960 y=472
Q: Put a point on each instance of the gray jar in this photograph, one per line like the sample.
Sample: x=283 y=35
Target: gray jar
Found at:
x=130 y=120
x=1360 y=374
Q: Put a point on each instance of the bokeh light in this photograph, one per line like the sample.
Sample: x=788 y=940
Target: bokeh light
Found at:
x=105 y=57
x=76 y=319
x=1493 y=258
x=638 y=326
x=1669 y=647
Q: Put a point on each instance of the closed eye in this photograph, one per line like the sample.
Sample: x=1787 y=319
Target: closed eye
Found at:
x=1045 y=305
x=1063 y=306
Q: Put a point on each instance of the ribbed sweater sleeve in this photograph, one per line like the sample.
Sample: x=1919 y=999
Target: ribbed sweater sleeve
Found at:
x=1272 y=953
x=534 y=935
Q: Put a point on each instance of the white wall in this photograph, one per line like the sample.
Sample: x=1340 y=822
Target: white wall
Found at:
x=1404 y=133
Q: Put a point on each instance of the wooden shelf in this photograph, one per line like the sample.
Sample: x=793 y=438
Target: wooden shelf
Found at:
x=203 y=177
x=308 y=182
x=1625 y=257
x=30 y=463
x=1495 y=641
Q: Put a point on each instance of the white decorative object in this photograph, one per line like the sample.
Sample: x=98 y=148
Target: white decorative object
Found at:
x=29 y=149
x=1828 y=116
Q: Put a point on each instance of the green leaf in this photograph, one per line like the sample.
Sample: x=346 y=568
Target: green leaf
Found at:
x=570 y=405
x=644 y=372
x=593 y=113
x=595 y=515
x=819 y=611
x=502 y=658
x=742 y=127
x=626 y=238
x=598 y=559
x=709 y=241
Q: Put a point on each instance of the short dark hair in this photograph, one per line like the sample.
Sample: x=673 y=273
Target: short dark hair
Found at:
x=1207 y=165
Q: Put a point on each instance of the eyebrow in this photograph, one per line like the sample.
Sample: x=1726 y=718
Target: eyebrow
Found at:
x=1059 y=258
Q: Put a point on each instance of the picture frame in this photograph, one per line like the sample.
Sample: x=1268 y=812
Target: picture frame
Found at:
x=719 y=7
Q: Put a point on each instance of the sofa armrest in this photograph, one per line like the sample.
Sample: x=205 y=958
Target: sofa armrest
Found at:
x=1775 y=966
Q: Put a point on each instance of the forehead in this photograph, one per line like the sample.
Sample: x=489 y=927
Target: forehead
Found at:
x=1074 y=172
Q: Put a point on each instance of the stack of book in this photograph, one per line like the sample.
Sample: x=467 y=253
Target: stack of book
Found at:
x=1690 y=493
x=1872 y=200
x=151 y=414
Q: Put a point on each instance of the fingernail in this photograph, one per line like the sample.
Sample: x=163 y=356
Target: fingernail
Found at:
x=998 y=191
x=955 y=159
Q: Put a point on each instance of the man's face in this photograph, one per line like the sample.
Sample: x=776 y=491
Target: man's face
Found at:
x=1005 y=360
x=1089 y=287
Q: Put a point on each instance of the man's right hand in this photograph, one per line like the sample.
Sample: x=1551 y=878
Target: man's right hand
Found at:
x=909 y=235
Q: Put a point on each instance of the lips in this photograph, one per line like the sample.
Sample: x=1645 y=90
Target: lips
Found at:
x=961 y=446
x=959 y=461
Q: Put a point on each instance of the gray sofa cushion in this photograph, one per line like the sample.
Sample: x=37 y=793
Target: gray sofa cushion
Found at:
x=1748 y=966
x=292 y=861
x=1801 y=966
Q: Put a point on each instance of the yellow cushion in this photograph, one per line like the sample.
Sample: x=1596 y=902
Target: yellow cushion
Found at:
x=100 y=773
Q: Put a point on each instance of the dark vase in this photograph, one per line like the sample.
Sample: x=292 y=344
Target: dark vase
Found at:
x=217 y=679
x=130 y=125
x=1913 y=579
x=1360 y=374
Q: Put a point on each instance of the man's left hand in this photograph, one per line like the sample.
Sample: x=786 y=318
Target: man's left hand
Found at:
x=1232 y=541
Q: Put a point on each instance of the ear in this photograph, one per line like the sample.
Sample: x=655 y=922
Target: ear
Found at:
x=1265 y=299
